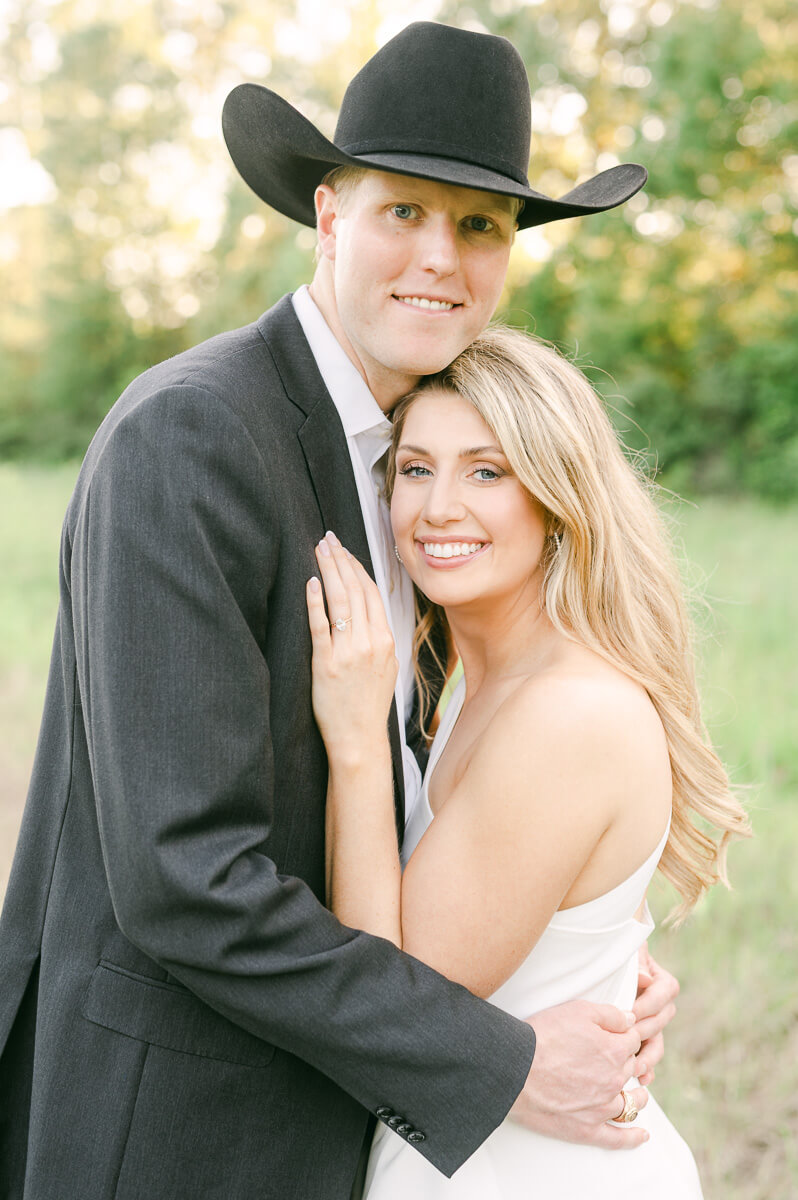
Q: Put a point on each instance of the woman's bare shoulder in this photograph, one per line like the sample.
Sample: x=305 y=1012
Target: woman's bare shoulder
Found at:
x=582 y=706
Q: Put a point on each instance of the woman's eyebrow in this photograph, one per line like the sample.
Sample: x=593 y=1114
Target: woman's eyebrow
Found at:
x=469 y=452
x=473 y=451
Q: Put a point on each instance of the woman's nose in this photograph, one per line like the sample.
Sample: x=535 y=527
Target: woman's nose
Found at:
x=443 y=502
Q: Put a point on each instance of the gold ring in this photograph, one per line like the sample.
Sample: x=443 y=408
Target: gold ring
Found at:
x=629 y=1111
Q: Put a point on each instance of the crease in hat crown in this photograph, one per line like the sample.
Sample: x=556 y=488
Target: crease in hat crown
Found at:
x=436 y=102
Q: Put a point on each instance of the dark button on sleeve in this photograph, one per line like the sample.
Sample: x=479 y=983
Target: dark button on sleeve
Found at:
x=395 y=1121
x=404 y=1129
x=416 y=1136
x=384 y=1113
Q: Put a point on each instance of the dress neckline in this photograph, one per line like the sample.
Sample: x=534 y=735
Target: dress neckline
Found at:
x=442 y=735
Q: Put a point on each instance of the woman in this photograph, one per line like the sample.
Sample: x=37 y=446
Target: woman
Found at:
x=570 y=760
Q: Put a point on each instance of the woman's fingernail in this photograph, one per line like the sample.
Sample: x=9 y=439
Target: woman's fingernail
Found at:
x=324 y=548
x=331 y=538
x=314 y=584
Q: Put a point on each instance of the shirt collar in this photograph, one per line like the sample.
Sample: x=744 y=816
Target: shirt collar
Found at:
x=357 y=408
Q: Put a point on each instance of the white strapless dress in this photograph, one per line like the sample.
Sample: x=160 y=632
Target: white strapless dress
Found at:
x=588 y=952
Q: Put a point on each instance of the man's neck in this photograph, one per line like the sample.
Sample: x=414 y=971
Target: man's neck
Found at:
x=387 y=387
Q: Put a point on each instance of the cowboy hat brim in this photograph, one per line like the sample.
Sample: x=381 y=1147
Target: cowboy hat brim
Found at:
x=283 y=158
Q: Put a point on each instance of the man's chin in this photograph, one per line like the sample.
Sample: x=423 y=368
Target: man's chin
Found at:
x=429 y=361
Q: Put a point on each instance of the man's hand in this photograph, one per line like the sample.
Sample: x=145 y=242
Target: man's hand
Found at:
x=654 y=1007
x=584 y=1056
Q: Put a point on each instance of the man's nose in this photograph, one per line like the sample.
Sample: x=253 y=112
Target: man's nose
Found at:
x=439 y=249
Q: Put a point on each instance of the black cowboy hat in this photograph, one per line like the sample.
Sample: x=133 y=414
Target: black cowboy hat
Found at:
x=435 y=102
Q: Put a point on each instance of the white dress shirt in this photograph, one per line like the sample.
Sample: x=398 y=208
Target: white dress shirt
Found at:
x=368 y=434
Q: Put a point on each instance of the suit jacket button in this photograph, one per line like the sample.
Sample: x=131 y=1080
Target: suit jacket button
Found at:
x=384 y=1113
x=404 y=1129
x=395 y=1121
x=416 y=1135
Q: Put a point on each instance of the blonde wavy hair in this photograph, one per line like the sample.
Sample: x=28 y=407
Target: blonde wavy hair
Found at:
x=611 y=581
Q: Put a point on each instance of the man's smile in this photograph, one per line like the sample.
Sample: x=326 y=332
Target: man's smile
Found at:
x=428 y=303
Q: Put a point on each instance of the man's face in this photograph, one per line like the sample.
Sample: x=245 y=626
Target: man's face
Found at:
x=418 y=269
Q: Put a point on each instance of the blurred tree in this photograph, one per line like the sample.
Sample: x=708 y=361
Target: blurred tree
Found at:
x=120 y=105
x=147 y=242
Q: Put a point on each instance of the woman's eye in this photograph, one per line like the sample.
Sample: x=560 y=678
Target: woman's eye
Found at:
x=404 y=211
x=480 y=224
x=415 y=471
x=487 y=474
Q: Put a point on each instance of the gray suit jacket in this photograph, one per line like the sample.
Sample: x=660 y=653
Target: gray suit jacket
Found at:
x=180 y=1016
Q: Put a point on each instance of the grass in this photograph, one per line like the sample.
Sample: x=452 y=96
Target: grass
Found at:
x=729 y=1076
x=728 y=1079
x=32 y=501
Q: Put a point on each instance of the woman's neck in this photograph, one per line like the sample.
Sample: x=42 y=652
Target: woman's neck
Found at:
x=501 y=641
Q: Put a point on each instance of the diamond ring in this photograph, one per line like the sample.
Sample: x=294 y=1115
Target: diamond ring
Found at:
x=340 y=624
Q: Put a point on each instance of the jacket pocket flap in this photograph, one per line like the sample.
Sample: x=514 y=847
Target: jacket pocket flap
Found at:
x=168 y=1016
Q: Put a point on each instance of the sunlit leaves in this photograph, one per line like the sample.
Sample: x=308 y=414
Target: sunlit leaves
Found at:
x=131 y=235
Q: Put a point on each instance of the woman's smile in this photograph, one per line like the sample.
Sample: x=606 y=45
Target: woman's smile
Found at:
x=448 y=553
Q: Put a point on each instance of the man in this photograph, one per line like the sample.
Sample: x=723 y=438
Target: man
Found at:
x=181 y=1016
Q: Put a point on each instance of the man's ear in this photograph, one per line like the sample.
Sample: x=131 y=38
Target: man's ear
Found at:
x=328 y=204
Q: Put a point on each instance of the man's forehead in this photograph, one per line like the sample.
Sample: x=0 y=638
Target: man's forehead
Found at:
x=431 y=191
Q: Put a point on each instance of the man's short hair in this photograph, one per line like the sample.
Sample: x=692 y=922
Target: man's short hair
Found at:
x=343 y=180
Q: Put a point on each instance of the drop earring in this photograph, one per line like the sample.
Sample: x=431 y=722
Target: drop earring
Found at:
x=396 y=552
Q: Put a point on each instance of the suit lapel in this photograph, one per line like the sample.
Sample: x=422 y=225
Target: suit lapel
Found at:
x=326 y=453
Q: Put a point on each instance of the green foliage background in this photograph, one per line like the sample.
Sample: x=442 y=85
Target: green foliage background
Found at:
x=683 y=300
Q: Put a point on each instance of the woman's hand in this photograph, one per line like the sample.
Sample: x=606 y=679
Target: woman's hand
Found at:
x=354 y=665
x=654 y=1007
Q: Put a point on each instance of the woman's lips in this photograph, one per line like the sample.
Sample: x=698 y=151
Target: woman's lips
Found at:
x=448 y=564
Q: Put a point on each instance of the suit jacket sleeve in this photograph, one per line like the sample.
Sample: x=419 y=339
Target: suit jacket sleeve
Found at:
x=174 y=549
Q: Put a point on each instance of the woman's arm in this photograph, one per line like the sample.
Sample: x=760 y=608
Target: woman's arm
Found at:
x=510 y=839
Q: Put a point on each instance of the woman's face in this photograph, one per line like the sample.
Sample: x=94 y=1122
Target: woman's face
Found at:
x=465 y=528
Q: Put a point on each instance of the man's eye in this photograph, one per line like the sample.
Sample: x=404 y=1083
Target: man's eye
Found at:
x=480 y=224
x=404 y=211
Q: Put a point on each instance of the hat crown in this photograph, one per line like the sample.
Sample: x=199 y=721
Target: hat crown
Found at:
x=444 y=92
